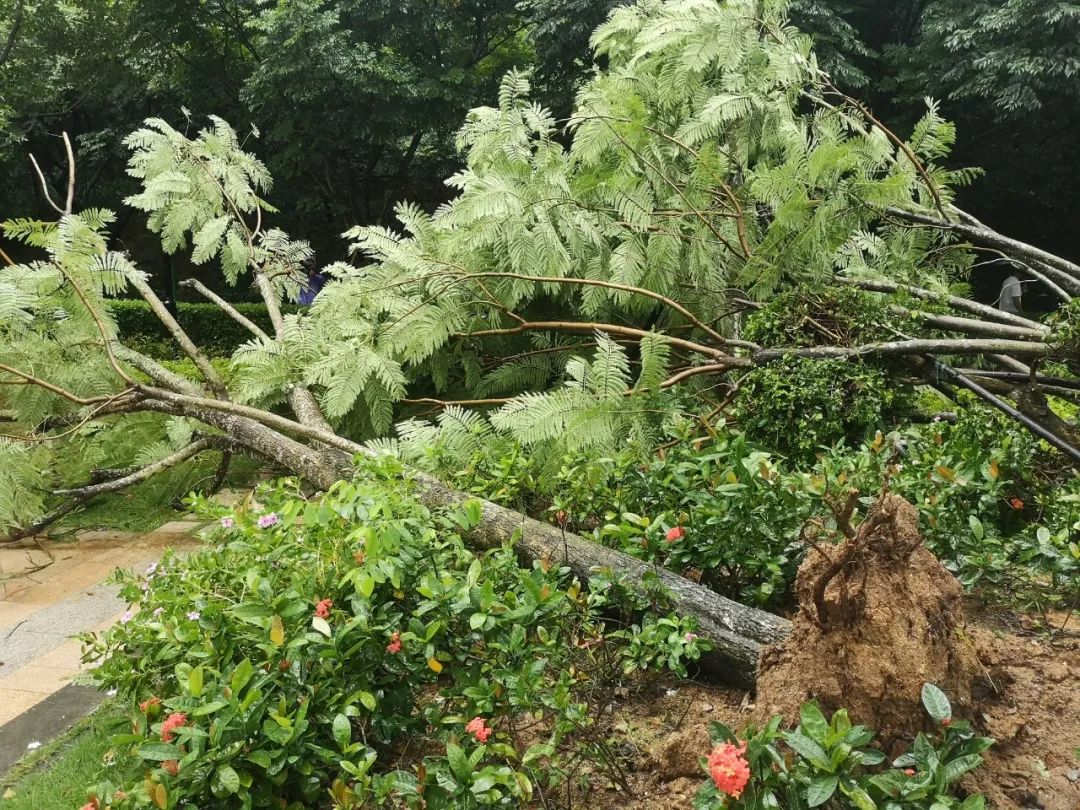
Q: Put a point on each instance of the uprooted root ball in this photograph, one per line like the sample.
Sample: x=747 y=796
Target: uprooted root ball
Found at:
x=879 y=617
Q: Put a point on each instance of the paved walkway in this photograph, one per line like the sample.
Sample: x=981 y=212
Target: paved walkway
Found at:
x=40 y=610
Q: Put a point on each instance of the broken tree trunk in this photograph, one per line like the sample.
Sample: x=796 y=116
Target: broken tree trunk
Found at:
x=737 y=632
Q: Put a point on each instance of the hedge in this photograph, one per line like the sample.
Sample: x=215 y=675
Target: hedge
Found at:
x=213 y=331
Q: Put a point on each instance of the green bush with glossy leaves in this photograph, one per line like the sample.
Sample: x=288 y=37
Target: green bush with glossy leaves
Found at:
x=834 y=764
x=284 y=665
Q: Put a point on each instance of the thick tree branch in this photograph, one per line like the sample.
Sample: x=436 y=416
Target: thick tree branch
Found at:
x=908 y=347
x=969 y=326
x=990 y=238
x=962 y=304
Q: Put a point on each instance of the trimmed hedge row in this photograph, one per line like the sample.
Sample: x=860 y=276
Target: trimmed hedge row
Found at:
x=213 y=331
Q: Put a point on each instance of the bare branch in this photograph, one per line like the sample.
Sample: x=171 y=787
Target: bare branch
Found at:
x=45 y=187
x=62 y=392
x=991 y=238
x=628 y=289
x=139 y=475
x=157 y=372
x=180 y=336
x=908 y=347
x=969 y=325
x=225 y=306
x=614 y=329
x=70 y=202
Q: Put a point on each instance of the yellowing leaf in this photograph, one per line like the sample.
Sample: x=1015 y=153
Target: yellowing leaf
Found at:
x=277 y=631
x=434 y=665
x=946 y=473
x=878 y=441
x=994 y=470
x=731 y=477
x=161 y=796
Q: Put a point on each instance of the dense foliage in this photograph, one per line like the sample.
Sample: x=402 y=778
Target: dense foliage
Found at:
x=296 y=654
x=831 y=763
x=999 y=522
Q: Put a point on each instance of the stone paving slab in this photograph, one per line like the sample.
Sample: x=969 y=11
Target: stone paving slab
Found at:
x=44 y=721
x=41 y=608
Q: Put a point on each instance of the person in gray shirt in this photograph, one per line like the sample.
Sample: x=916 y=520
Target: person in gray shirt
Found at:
x=1011 y=293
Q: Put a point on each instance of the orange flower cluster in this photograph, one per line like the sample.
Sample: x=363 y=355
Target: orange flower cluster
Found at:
x=172 y=722
x=729 y=769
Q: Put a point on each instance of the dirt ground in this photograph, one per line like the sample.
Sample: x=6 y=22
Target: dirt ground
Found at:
x=1029 y=702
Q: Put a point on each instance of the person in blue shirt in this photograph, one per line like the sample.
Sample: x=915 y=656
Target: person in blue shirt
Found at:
x=311 y=285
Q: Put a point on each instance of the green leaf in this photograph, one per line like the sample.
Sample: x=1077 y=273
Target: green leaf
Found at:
x=936 y=702
x=209 y=708
x=459 y=762
x=158 y=751
x=260 y=758
x=820 y=790
x=956 y=768
x=474 y=511
x=973 y=803
x=813 y=722
x=195 y=682
x=241 y=675
x=368 y=700
x=808 y=750
x=342 y=731
x=476 y=621
x=859 y=797
x=230 y=779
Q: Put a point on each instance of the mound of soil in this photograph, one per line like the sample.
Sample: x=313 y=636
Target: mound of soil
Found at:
x=879 y=617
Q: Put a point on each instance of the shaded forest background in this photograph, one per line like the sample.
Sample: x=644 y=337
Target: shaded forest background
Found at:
x=354 y=104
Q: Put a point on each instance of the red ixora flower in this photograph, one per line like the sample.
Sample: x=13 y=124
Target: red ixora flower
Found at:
x=909 y=771
x=172 y=722
x=729 y=769
x=322 y=610
x=148 y=705
x=171 y=767
x=946 y=722
x=91 y=805
x=394 y=647
x=675 y=533
x=1016 y=503
x=478 y=728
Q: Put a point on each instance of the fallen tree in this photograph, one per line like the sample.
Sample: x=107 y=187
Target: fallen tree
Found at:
x=651 y=235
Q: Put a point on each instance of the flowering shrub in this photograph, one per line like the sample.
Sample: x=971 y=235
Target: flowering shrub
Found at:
x=281 y=666
x=832 y=764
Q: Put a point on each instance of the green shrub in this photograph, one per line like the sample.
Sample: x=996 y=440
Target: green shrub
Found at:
x=832 y=764
x=282 y=666
x=213 y=331
x=798 y=406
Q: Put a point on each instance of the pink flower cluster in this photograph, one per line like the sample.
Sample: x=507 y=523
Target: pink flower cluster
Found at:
x=268 y=520
x=729 y=769
x=478 y=727
x=394 y=647
x=322 y=609
x=172 y=722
